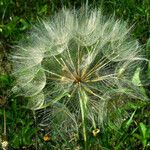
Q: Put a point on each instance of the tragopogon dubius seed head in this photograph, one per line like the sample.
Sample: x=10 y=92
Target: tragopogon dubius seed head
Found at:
x=78 y=64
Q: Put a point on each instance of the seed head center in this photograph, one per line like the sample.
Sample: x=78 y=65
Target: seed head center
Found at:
x=77 y=79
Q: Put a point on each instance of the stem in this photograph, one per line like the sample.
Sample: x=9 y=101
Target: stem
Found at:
x=4 y=122
x=36 y=136
x=83 y=106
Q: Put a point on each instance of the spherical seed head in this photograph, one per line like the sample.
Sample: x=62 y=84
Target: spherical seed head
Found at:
x=80 y=54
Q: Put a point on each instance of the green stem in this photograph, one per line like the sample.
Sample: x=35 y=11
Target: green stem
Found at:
x=83 y=106
x=83 y=121
x=36 y=136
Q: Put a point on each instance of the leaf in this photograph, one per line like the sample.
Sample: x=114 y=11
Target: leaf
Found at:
x=43 y=10
x=148 y=45
x=15 y=142
x=24 y=26
x=129 y=122
x=148 y=55
x=143 y=132
x=143 y=129
x=136 y=81
x=148 y=70
x=4 y=80
x=10 y=28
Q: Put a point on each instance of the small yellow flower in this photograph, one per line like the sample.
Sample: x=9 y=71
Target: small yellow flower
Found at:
x=95 y=132
x=46 y=137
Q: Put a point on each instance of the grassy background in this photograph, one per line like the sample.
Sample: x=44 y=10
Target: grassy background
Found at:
x=16 y=18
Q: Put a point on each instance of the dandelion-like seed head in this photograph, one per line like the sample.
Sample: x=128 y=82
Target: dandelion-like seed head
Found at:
x=74 y=63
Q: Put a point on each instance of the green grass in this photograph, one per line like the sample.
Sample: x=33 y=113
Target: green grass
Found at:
x=16 y=18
